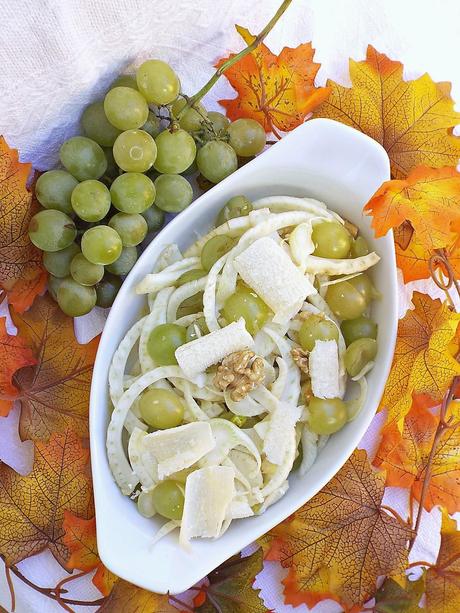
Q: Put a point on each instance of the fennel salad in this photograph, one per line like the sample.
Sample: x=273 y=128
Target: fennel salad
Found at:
x=237 y=374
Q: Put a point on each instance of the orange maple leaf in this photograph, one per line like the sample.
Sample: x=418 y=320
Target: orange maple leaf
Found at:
x=429 y=198
x=413 y=120
x=443 y=578
x=21 y=272
x=277 y=91
x=80 y=538
x=345 y=530
x=55 y=392
x=32 y=507
x=14 y=354
x=405 y=457
x=422 y=362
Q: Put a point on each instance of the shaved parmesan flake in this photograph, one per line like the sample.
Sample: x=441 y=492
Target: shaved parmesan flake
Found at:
x=340 y=267
x=239 y=508
x=281 y=472
x=281 y=424
x=153 y=282
x=196 y=356
x=270 y=272
x=208 y=494
x=324 y=370
x=177 y=448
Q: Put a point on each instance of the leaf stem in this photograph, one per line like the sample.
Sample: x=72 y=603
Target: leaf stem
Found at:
x=10 y=587
x=236 y=58
x=442 y=426
x=180 y=603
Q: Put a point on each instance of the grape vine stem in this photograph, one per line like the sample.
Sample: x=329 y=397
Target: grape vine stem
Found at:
x=236 y=58
x=442 y=426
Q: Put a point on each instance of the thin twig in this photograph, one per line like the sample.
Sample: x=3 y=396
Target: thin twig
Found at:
x=236 y=58
x=396 y=515
x=9 y=581
x=58 y=589
x=442 y=426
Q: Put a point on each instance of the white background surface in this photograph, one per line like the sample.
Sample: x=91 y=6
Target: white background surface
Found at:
x=57 y=56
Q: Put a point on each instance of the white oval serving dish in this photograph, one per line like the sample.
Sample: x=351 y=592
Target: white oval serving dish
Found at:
x=322 y=159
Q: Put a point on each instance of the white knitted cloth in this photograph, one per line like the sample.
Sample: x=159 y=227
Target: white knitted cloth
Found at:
x=56 y=56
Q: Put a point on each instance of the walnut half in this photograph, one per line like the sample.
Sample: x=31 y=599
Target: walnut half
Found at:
x=300 y=357
x=240 y=372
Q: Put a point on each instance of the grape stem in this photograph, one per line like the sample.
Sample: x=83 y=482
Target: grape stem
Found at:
x=236 y=58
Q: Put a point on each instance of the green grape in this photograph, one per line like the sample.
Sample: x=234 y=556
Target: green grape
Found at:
x=365 y=287
x=125 y=108
x=163 y=342
x=125 y=80
x=327 y=415
x=124 y=263
x=53 y=286
x=331 y=240
x=191 y=305
x=75 y=299
x=96 y=125
x=91 y=200
x=158 y=82
x=214 y=249
x=85 y=272
x=358 y=354
x=52 y=230
x=145 y=504
x=83 y=158
x=176 y=151
x=173 y=193
x=132 y=228
x=190 y=275
x=161 y=408
x=246 y=304
x=135 y=151
x=196 y=330
x=107 y=289
x=57 y=263
x=247 y=137
x=154 y=218
x=361 y=327
x=238 y=206
x=192 y=118
x=168 y=499
x=359 y=247
x=101 y=245
x=345 y=300
x=216 y=160
x=153 y=125
x=132 y=192
x=316 y=328
x=112 y=169
x=54 y=188
x=219 y=123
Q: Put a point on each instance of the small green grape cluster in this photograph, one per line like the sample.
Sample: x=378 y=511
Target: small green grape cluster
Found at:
x=119 y=180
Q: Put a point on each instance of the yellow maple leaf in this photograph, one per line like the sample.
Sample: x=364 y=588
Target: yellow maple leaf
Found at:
x=429 y=198
x=345 y=529
x=278 y=91
x=422 y=362
x=443 y=578
x=32 y=507
x=413 y=120
x=128 y=598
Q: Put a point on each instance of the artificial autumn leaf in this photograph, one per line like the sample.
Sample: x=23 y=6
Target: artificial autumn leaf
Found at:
x=32 y=507
x=80 y=539
x=443 y=578
x=413 y=120
x=230 y=586
x=422 y=362
x=132 y=599
x=277 y=91
x=55 y=392
x=393 y=598
x=345 y=529
x=405 y=457
x=429 y=198
x=20 y=261
x=14 y=354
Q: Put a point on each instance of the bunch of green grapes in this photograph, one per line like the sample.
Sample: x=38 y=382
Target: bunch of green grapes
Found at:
x=142 y=144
